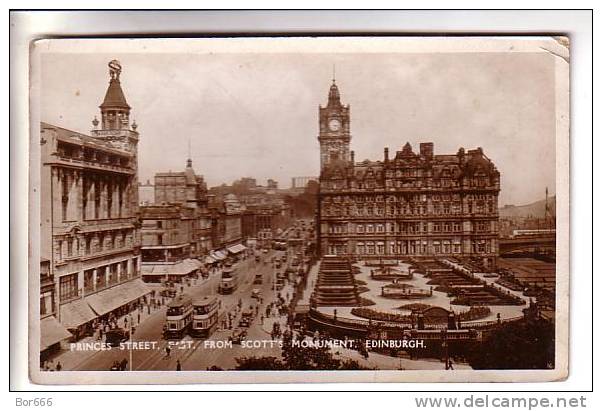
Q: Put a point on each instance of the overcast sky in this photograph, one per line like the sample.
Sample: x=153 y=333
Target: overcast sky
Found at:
x=257 y=114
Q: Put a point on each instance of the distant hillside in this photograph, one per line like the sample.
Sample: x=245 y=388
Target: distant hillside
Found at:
x=536 y=209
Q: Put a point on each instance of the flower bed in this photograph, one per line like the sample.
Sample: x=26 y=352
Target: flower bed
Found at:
x=475 y=313
x=414 y=307
x=379 y=315
x=472 y=314
x=365 y=302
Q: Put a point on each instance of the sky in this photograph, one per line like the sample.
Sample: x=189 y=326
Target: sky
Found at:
x=256 y=114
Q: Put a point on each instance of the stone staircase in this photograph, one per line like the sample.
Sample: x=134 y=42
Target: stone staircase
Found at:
x=335 y=285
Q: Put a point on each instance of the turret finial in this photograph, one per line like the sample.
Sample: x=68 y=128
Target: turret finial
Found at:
x=114 y=69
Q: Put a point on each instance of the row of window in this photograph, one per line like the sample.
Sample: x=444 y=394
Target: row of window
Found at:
x=337 y=184
x=105 y=276
x=407 y=210
x=70 y=151
x=411 y=247
x=409 y=227
x=86 y=244
x=410 y=198
x=108 y=200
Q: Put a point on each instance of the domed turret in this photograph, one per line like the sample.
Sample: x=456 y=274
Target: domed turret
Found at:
x=114 y=109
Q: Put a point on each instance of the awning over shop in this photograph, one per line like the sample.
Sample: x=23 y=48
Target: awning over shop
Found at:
x=76 y=313
x=51 y=332
x=184 y=267
x=218 y=255
x=210 y=260
x=236 y=249
x=193 y=264
x=136 y=289
x=108 y=300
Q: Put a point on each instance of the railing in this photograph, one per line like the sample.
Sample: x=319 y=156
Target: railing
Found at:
x=97 y=164
x=492 y=323
x=404 y=325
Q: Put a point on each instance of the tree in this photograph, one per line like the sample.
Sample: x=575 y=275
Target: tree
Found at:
x=295 y=357
x=519 y=345
x=316 y=357
x=259 y=363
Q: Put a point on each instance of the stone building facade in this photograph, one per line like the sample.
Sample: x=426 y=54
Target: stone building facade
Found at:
x=418 y=205
x=168 y=249
x=227 y=217
x=189 y=190
x=166 y=233
x=89 y=213
x=261 y=222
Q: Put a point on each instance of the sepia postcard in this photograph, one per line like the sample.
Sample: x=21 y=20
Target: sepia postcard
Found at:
x=299 y=209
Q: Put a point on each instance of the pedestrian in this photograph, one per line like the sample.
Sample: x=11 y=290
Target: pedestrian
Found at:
x=138 y=317
x=178 y=366
x=167 y=351
x=123 y=365
x=60 y=367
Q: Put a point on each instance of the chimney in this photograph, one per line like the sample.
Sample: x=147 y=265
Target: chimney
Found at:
x=426 y=150
x=386 y=155
x=461 y=154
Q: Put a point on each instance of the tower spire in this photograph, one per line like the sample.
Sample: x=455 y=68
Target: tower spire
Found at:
x=114 y=109
x=189 y=160
x=334 y=73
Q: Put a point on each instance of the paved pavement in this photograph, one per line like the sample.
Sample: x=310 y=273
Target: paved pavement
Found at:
x=192 y=353
x=386 y=362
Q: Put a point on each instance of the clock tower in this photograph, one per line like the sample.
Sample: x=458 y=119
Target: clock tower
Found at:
x=334 y=134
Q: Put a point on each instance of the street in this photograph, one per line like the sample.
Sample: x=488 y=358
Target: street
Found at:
x=198 y=354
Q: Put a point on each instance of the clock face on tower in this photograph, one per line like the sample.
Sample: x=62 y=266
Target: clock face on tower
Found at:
x=334 y=125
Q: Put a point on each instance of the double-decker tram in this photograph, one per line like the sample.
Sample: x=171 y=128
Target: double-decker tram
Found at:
x=178 y=317
x=204 y=317
x=229 y=280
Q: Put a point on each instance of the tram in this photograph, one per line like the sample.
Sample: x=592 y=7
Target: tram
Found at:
x=229 y=280
x=178 y=317
x=204 y=317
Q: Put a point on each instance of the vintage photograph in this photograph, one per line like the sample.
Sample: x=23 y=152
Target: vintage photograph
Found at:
x=204 y=207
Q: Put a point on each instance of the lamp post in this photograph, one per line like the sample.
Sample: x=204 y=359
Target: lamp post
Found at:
x=444 y=344
x=131 y=341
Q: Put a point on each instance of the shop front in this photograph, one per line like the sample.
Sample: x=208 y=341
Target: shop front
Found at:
x=77 y=317
x=179 y=272
x=119 y=300
x=52 y=333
